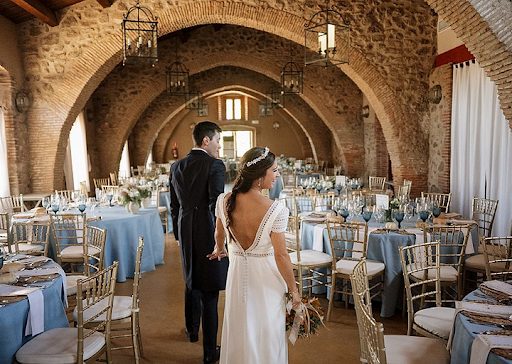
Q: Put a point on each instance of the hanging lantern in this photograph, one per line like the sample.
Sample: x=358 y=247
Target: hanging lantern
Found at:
x=140 y=34
x=274 y=99
x=291 y=79
x=177 y=79
x=327 y=39
x=194 y=100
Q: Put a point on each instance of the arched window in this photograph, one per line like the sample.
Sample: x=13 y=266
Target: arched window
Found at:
x=4 y=170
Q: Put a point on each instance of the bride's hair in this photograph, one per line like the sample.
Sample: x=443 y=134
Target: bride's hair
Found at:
x=254 y=165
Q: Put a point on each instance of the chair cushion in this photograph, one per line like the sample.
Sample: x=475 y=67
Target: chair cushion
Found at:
x=346 y=267
x=27 y=247
x=311 y=257
x=403 y=349
x=71 y=283
x=77 y=251
x=448 y=274
x=436 y=320
x=122 y=309
x=58 y=346
x=162 y=209
x=478 y=262
x=291 y=241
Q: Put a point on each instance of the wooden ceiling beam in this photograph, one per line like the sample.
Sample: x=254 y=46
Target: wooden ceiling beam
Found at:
x=104 y=3
x=39 y=10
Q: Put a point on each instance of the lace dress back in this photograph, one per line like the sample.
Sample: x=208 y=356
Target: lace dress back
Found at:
x=254 y=315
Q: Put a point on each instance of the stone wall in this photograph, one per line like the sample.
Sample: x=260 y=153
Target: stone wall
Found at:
x=440 y=132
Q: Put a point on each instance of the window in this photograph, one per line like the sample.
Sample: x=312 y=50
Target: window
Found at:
x=233 y=109
x=79 y=157
x=124 y=166
x=234 y=144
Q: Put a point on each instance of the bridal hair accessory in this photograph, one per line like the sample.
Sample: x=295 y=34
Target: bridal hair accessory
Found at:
x=260 y=158
x=306 y=320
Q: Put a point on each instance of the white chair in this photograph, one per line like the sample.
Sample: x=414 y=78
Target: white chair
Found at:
x=12 y=204
x=79 y=344
x=421 y=260
x=377 y=348
x=376 y=183
x=126 y=311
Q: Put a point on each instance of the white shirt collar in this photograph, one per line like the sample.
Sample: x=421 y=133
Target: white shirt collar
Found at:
x=200 y=149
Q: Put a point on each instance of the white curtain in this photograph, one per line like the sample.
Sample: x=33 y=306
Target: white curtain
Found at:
x=68 y=167
x=4 y=169
x=79 y=157
x=150 y=159
x=481 y=146
x=124 y=166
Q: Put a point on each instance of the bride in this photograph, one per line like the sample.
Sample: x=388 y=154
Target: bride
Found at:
x=260 y=271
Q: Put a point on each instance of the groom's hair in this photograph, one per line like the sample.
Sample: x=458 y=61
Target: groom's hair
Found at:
x=205 y=128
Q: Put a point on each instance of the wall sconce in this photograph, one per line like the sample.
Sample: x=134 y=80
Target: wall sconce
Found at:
x=435 y=94
x=365 y=111
x=192 y=126
x=21 y=101
x=276 y=125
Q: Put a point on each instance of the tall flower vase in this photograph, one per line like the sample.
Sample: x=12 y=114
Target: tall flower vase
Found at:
x=134 y=207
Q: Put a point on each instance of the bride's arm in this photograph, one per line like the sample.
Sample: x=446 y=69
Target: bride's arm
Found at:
x=219 y=251
x=285 y=266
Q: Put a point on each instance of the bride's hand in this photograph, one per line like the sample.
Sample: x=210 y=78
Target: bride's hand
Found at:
x=217 y=254
x=296 y=300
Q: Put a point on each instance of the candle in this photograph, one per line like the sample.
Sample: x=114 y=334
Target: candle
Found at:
x=322 y=42
x=331 y=35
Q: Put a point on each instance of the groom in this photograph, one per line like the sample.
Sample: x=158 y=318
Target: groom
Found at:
x=195 y=183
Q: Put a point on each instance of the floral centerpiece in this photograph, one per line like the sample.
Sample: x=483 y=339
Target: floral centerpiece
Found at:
x=393 y=205
x=130 y=195
x=306 y=320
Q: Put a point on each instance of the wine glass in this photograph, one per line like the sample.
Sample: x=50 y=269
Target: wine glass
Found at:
x=436 y=210
x=46 y=203
x=424 y=214
x=399 y=216
x=379 y=214
x=367 y=213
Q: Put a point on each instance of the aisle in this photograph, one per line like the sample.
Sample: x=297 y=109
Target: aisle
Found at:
x=162 y=323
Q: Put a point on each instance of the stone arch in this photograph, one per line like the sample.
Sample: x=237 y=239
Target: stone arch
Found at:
x=102 y=52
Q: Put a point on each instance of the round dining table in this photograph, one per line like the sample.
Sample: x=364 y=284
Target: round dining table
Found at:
x=14 y=316
x=466 y=330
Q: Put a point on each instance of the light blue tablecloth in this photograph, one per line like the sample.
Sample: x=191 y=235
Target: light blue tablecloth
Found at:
x=464 y=335
x=383 y=248
x=276 y=189
x=13 y=318
x=123 y=231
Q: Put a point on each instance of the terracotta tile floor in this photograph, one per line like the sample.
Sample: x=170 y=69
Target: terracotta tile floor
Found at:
x=162 y=323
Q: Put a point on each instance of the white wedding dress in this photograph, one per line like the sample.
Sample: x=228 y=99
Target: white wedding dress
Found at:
x=254 y=316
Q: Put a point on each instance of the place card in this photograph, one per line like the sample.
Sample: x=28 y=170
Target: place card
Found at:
x=382 y=201
x=341 y=180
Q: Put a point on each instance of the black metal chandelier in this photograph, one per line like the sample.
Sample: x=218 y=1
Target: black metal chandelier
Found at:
x=291 y=77
x=328 y=34
x=194 y=100
x=177 y=76
x=274 y=99
x=140 y=34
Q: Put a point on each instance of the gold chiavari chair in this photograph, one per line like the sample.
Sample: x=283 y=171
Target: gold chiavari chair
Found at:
x=12 y=204
x=483 y=212
x=98 y=182
x=348 y=242
x=289 y=180
x=377 y=348
x=376 y=183
x=114 y=179
x=442 y=200
x=5 y=230
x=324 y=202
x=422 y=279
x=126 y=311
x=69 y=232
x=303 y=203
x=453 y=241
x=31 y=238
x=403 y=191
x=79 y=344
x=69 y=194
x=83 y=189
x=498 y=258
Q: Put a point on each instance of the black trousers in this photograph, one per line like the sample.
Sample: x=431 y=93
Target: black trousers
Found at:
x=203 y=304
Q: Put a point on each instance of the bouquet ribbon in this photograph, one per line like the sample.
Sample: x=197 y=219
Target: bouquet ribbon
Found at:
x=302 y=316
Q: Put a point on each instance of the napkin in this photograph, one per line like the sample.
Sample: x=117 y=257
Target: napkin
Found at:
x=499 y=286
x=33 y=261
x=35 y=320
x=483 y=344
x=484 y=309
x=318 y=237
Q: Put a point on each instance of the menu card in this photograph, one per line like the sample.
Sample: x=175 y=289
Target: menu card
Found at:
x=382 y=201
x=341 y=180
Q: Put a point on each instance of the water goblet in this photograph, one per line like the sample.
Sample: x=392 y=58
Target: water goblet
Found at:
x=424 y=214
x=110 y=196
x=399 y=217
x=55 y=208
x=338 y=188
x=367 y=213
x=46 y=203
x=81 y=207
x=436 y=211
x=344 y=213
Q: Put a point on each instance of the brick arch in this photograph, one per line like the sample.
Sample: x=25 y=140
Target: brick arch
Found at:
x=167 y=127
x=166 y=110
x=485 y=44
x=97 y=59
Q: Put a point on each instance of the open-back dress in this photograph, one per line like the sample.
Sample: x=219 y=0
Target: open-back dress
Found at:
x=254 y=315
